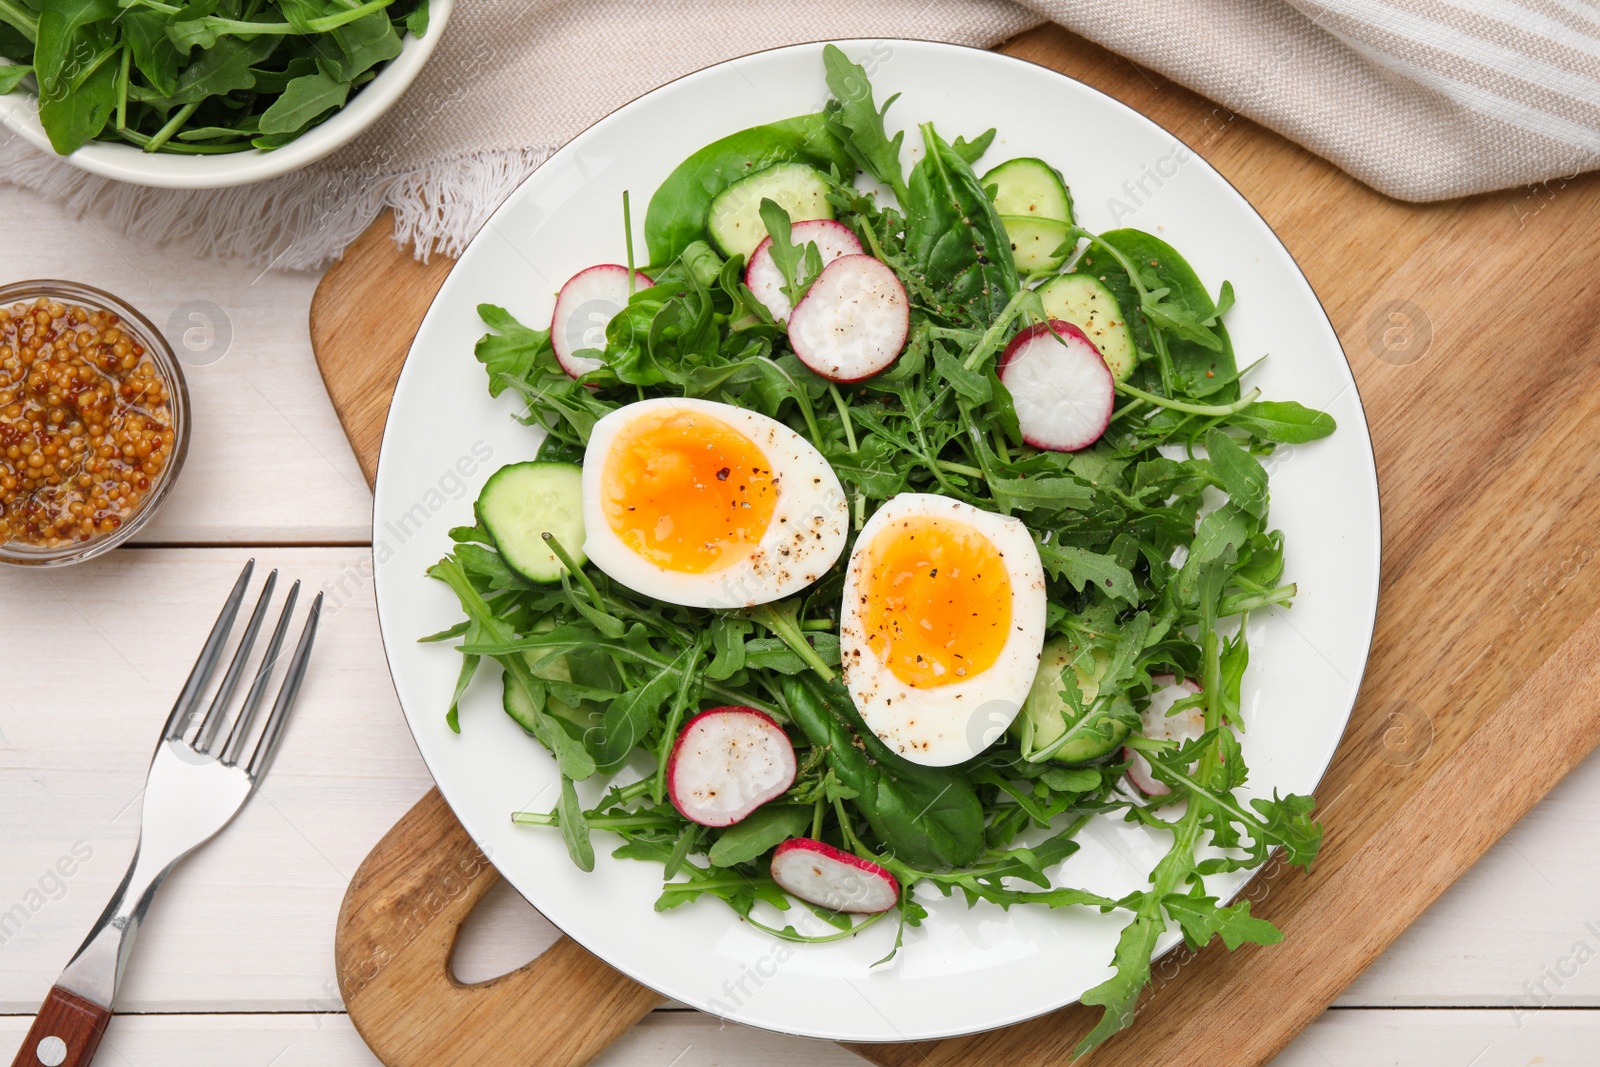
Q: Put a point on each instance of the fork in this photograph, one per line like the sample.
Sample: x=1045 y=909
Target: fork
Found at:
x=196 y=785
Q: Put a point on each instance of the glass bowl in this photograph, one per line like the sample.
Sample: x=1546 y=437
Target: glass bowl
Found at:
x=171 y=374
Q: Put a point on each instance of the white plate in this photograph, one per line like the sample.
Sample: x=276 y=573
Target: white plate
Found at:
x=169 y=170
x=963 y=970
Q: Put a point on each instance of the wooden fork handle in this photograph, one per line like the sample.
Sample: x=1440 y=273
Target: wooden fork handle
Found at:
x=65 y=1033
x=397 y=928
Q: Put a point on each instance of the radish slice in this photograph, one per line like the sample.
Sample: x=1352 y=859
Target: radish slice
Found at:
x=852 y=322
x=584 y=308
x=726 y=763
x=1060 y=385
x=820 y=874
x=1185 y=726
x=833 y=239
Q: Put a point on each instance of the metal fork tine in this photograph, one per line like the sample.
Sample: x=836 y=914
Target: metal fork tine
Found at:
x=273 y=731
x=230 y=681
x=258 y=687
x=206 y=664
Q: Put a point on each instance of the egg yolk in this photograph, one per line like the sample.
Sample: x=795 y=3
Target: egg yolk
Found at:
x=935 y=600
x=687 y=492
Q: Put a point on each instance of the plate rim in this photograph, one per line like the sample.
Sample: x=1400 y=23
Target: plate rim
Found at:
x=1371 y=486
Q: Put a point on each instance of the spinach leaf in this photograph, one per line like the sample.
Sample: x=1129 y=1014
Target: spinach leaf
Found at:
x=676 y=216
x=759 y=833
x=926 y=816
x=1201 y=354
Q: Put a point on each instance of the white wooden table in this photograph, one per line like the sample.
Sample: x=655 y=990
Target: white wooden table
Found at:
x=235 y=965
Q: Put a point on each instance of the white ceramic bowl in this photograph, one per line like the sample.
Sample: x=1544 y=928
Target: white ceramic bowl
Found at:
x=128 y=163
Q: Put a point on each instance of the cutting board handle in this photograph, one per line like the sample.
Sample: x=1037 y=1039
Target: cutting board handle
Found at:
x=397 y=929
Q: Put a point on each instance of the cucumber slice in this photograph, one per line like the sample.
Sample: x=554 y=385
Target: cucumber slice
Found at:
x=517 y=704
x=522 y=501
x=1030 y=188
x=1045 y=717
x=577 y=719
x=1084 y=301
x=1035 y=241
x=734 y=220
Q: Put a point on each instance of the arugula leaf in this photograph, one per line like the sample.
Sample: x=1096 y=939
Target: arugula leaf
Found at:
x=1202 y=920
x=958 y=244
x=1119 y=994
x=799 y=266
x=303 y=100
x=973 y=150
x=575 y=828
x=628 y=720
x=513 y=351
x=73 y=115
x=1079 y=567
x=1241 y=475
x=198 y=77
x=64 y=44
x=858 y=122
x=1284 y=422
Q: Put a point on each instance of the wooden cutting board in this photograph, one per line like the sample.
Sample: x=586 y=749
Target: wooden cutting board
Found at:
x=1471 y=327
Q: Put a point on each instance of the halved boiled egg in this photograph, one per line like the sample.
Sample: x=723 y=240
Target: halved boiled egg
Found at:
x=709 y=505
x=941 y=626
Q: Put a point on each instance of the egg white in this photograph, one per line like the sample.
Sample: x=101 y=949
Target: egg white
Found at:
x=810 y=518
x=947 y=724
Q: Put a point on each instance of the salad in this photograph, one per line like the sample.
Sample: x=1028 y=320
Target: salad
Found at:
x=196 y=77
x=887 y=527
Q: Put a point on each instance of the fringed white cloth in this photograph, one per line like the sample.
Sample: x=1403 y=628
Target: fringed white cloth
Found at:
x=300 y=221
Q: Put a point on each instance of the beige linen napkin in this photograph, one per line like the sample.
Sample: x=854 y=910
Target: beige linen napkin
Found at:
x=1422 y=99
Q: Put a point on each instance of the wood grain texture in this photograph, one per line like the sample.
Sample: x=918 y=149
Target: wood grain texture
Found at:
x=65 y=1033
x=363 y=317
x=1472 y=706
x=397 y=929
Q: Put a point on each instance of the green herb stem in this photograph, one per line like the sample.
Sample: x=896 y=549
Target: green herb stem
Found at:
x=959 y=468
x=639 y=821
x=627 y=230
x=680 y=702
x=174 y=124
x=554 y=544
x=1240 y=603
x=323 y=24
x=786 y=630
x=991 y=340
x=501 y=644
x=122 y=89
x=844 y=417
x=788 y=933
x=1191 y=409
